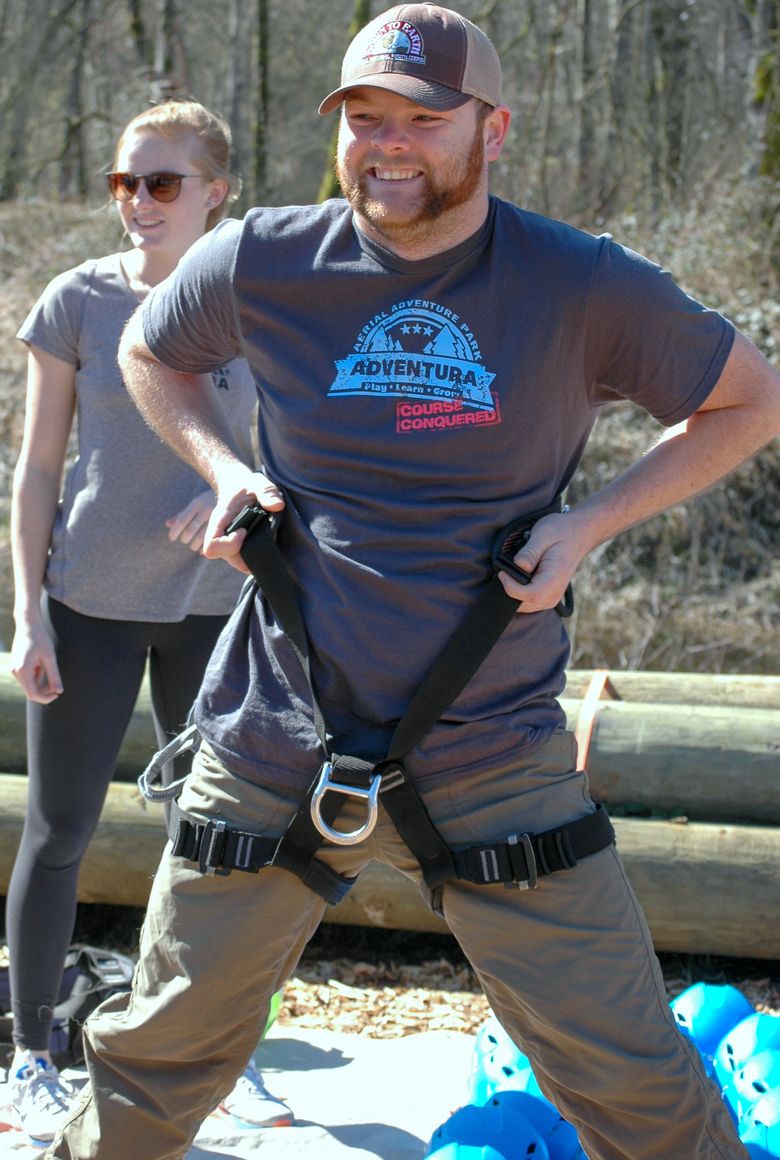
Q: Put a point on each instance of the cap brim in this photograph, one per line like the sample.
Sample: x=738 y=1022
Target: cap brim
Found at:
x=426 y=93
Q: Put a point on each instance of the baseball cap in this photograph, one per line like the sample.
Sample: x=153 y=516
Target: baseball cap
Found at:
x=429 y=54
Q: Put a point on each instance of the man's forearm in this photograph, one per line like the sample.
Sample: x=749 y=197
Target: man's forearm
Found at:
x=677 y=468
x=741 y=416
x=181 y=408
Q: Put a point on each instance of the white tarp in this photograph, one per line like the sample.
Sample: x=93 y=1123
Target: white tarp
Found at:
x=354 y=1098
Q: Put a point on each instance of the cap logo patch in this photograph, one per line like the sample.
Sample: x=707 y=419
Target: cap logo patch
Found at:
x=397 y=39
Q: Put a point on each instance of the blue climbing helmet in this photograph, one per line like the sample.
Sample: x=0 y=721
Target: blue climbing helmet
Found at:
x=759 y=1032
x=559 y=1136
x=454 y=1151
x=706 y=1012
x=758 y=1075
x=496 y=1125
x=759 y=1128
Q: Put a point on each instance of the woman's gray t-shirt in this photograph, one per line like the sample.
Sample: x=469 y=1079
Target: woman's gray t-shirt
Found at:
x=409 y=411
x=110 y=554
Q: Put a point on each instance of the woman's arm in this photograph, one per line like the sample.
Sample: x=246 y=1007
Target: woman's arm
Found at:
x=51 y=399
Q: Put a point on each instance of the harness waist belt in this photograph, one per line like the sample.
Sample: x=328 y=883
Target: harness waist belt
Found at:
x=518 y=860
x=521 y=859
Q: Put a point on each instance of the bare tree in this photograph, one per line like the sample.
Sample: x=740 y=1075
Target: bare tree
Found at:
x=171 y=61
x=74 y=178
x=329 y=186
x=617 y=102
x=263 y=101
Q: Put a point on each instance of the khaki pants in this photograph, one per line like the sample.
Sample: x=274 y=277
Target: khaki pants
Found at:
x=568 y=969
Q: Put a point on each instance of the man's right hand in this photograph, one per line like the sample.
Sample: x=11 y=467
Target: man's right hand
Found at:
x=234 y=495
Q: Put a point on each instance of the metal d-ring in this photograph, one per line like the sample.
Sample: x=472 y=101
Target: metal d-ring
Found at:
x=371 y=796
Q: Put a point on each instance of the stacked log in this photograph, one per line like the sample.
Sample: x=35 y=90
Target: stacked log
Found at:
x=688 y=765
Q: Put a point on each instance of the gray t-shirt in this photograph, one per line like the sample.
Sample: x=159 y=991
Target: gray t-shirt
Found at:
x=110 y=553
x=409 y=411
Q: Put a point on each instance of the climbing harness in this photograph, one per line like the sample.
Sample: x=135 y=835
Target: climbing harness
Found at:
x=519 y=860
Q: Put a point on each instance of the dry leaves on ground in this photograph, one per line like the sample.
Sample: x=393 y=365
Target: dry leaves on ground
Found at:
x=385 y=998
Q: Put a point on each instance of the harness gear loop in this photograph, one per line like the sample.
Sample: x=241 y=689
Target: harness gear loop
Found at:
x=187 y=741
x=326 y=784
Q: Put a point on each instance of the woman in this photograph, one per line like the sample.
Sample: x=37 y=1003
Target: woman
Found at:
x=109 y=575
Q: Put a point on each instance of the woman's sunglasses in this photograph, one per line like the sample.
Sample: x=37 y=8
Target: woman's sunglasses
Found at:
x=161 y=186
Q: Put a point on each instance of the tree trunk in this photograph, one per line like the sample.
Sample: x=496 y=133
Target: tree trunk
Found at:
x=587 y=143
x=705 y=889
x=171 y=65
x=138 y=32
x=74 y=175
x=260 y=186
x=329 y=186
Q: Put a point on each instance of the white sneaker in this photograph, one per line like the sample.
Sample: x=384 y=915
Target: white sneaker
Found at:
x=40 y=1100
x=251 y=1105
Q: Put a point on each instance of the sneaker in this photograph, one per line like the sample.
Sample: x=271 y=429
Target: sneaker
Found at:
x=251 y=1105
x=40 y=1100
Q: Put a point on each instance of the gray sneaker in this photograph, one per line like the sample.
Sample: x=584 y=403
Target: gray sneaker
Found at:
x=40 y=1100
x=251 y=1105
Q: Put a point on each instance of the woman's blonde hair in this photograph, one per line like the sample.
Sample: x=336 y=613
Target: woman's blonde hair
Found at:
x=177 y=118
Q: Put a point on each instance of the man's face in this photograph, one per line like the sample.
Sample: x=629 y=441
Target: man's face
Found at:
x=403 y=167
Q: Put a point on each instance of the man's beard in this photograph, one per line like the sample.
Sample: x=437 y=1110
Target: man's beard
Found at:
x=437 y=198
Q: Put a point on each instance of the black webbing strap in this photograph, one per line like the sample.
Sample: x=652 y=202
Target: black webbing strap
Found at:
x=519 y=860
x=219 y=848
x=522 y=858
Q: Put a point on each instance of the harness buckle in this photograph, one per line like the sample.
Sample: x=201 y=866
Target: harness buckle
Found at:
x=325 y=783
x=212 y=849
x=531 y=882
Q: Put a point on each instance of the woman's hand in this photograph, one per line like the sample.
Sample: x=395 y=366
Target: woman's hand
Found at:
x=189 y=525
x=34 y=664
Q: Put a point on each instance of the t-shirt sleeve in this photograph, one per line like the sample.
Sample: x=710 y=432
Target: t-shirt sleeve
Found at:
x=647 y=340
x=189 y=320
x=54 y=323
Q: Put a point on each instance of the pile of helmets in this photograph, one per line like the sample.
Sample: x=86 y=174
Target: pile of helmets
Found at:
x=507 y=1117
x=740 y=1048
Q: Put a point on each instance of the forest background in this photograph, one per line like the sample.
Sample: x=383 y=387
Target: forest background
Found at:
x=655 y=120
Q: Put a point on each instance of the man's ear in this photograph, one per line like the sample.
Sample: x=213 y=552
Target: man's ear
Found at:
x=495 y=130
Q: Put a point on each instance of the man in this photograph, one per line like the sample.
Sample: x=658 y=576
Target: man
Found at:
x=430 y=362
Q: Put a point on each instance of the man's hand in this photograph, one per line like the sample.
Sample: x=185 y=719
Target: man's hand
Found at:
x=550 y=556
x=237 y=491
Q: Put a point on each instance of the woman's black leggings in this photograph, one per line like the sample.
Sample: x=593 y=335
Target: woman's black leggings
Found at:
x=72 y=748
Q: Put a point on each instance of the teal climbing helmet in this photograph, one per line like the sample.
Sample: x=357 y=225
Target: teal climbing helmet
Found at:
x=759 y=1075
x=759 y=1032
x=706 y=1012
x=759 y=1128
